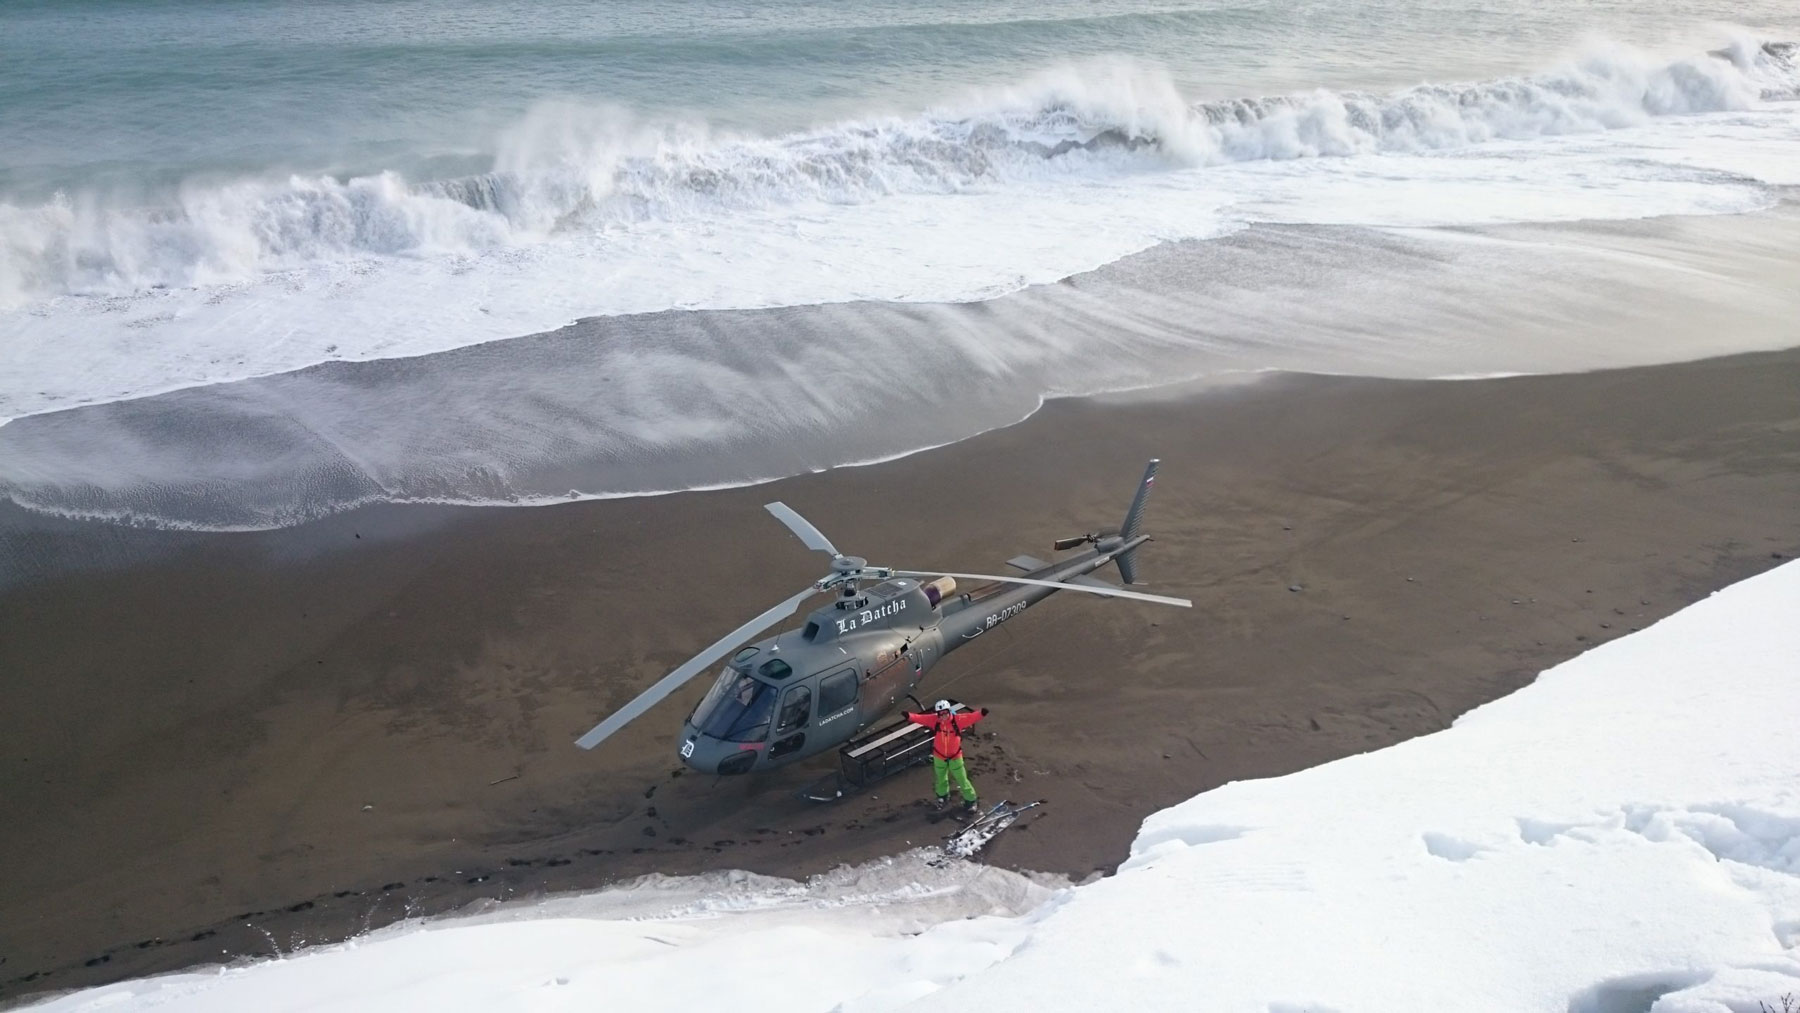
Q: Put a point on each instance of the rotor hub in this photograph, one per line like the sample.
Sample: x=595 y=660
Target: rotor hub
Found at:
x=848 y=571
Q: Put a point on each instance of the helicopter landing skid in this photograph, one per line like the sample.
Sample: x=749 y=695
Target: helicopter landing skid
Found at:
x=829 y=788
x=835 y=785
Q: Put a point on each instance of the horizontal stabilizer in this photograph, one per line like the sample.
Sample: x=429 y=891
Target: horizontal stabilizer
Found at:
x=1027 y=563
x=1094 y=582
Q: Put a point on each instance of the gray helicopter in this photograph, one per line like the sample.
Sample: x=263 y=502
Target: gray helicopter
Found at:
x=797 y=694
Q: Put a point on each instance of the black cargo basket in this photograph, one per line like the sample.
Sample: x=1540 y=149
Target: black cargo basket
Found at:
x=885 y=751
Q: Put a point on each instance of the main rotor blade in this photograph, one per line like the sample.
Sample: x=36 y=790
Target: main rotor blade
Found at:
x=813 y=537
x=1110 y=592
x=692 y=667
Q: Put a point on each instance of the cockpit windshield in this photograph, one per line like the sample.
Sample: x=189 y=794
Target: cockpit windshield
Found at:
x=736 y=709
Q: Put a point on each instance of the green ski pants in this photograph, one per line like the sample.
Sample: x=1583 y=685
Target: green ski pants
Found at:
x=945 y=771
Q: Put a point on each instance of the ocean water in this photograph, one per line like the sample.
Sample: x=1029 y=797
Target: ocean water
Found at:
x=262 y=261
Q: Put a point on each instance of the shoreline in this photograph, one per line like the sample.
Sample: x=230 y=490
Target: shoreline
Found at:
x=595 y=408
x=199 y=732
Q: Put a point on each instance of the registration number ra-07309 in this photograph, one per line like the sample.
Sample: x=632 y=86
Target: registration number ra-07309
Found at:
x=1003 y=615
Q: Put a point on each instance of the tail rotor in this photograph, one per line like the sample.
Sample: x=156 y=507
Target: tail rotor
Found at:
x=1110 y=539
x=1091 y=538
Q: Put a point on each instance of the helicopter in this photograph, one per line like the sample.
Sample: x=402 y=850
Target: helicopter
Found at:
x=799 y=693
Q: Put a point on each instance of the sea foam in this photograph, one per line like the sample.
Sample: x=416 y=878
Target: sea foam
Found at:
x=567 y=168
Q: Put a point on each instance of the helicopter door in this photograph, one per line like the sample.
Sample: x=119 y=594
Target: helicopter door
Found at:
x=790 y=727
x=837 y=694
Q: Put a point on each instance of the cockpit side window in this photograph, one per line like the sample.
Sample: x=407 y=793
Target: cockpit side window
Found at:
x=796 y=710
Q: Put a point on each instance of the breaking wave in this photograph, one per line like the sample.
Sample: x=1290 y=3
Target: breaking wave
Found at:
x=571 y=168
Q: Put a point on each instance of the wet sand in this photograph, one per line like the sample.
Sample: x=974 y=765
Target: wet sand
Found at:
x=241 y=743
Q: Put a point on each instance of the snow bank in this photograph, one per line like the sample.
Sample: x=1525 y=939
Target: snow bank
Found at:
x=1623 y=835
x=733 y=939
x=1626 y=827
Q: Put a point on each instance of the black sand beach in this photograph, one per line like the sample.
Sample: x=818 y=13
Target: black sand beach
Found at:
x=246 y=742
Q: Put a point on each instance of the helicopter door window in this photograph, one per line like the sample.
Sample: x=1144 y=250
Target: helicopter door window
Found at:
x=795 y=710
x=837 y=691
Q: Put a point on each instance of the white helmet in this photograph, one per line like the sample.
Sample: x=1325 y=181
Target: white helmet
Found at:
x=943 y=705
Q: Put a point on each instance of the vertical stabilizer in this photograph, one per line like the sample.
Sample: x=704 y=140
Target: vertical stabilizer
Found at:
x=1134 y=520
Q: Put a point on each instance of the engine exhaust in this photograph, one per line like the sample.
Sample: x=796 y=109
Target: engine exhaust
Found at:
x=939 y=589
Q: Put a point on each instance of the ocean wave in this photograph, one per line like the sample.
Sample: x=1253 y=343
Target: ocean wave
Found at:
x=618 y=406
x=566 y=167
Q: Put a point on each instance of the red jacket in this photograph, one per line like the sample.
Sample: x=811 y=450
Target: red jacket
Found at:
x=947 y=744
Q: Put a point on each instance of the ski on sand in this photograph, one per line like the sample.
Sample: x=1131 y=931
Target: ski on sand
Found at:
x=969 y=839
